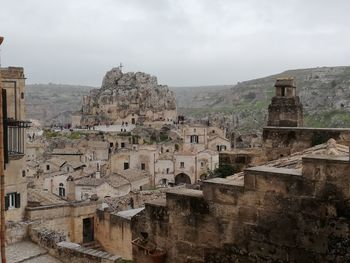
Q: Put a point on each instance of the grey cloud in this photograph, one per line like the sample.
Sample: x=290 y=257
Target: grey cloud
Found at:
x=183 y=42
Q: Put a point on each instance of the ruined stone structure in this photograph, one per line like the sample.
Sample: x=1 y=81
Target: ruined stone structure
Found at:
x=128 y=98
x=285 y=109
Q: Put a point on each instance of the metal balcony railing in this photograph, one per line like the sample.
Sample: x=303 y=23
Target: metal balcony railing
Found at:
x=14 y=138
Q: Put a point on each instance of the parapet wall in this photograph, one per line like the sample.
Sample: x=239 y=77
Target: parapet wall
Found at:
x=283 y=141
x=277 y=215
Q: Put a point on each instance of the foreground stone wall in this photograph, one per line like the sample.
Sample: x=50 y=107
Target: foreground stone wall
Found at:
x=277 y=215
x=283 y=141
x=114 y=233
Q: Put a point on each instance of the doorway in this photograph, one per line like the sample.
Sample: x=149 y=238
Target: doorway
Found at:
x=88 y=230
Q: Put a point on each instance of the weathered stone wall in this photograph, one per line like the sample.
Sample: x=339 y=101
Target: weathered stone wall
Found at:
x=65 y=218
x=16 y=232
x=114 y=234
x=278 y=215
x=282 y=141
x=241 y=159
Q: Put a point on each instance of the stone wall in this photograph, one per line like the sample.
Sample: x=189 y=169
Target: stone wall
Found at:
x=65 y=218
x=114 y=233
x=282 y=141
x=277 y=215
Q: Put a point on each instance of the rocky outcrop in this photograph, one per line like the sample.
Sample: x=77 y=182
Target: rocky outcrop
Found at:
x=129 y=97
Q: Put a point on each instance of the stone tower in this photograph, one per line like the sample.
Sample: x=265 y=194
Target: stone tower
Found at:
x=285 y=109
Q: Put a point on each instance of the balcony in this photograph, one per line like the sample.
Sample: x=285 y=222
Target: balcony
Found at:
x=14 y=139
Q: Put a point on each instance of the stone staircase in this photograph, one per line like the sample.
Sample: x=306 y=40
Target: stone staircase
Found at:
x=73 y=250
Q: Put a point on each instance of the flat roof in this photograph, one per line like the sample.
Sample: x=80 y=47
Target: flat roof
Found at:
x=128 y=214
x=275 y=170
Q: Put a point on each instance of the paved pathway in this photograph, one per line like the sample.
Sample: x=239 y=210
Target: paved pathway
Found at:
x=28 y=252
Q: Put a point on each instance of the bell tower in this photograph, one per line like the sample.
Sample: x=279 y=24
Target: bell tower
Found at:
x=285 y=109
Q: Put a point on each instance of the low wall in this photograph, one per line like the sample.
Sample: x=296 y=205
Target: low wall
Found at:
x=16 y=232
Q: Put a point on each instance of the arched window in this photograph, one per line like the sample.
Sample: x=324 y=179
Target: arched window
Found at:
x=61 y=190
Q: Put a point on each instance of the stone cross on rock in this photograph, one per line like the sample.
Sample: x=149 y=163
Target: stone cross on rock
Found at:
x=121 y=66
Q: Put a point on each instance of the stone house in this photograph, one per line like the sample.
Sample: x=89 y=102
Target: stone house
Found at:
x=111 y=186
x=98 y=150
x=219 y=144
x=68 y=153
x=200 y=137
x=12 y=84
x=164 y=169
x=34 y=150
x=138 y=178
x=58 y=182
x=52 y=165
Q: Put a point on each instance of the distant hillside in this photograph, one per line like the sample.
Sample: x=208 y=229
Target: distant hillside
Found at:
x=324 y=92
x=53 y=102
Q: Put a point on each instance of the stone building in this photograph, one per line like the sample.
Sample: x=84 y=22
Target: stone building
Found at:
x=13 y=88
x=200 y=137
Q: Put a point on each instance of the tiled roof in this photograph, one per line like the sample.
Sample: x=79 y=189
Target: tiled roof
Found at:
x=57 y=161
x=89 y=181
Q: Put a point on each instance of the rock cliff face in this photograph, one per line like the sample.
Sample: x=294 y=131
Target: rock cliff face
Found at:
x=129 y=97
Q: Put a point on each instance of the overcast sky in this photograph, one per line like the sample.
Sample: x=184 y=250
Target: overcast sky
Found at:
x=182 y=42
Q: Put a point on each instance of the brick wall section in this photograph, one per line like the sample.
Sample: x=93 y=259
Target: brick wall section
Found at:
x=278 y=215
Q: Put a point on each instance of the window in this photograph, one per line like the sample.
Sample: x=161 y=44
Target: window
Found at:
x=133 y=120
x=163 y=182
x=143 y=166
x=122 y=145
x=12 y=200
x=218 y=148
x=61 y=190
x=202 y=164
x=22 y=95
x=182 y=165
x=126 y=166
x=111 y=144
x=194 y=139
x=47 y=167
x=167 y=170
x=23 y=173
